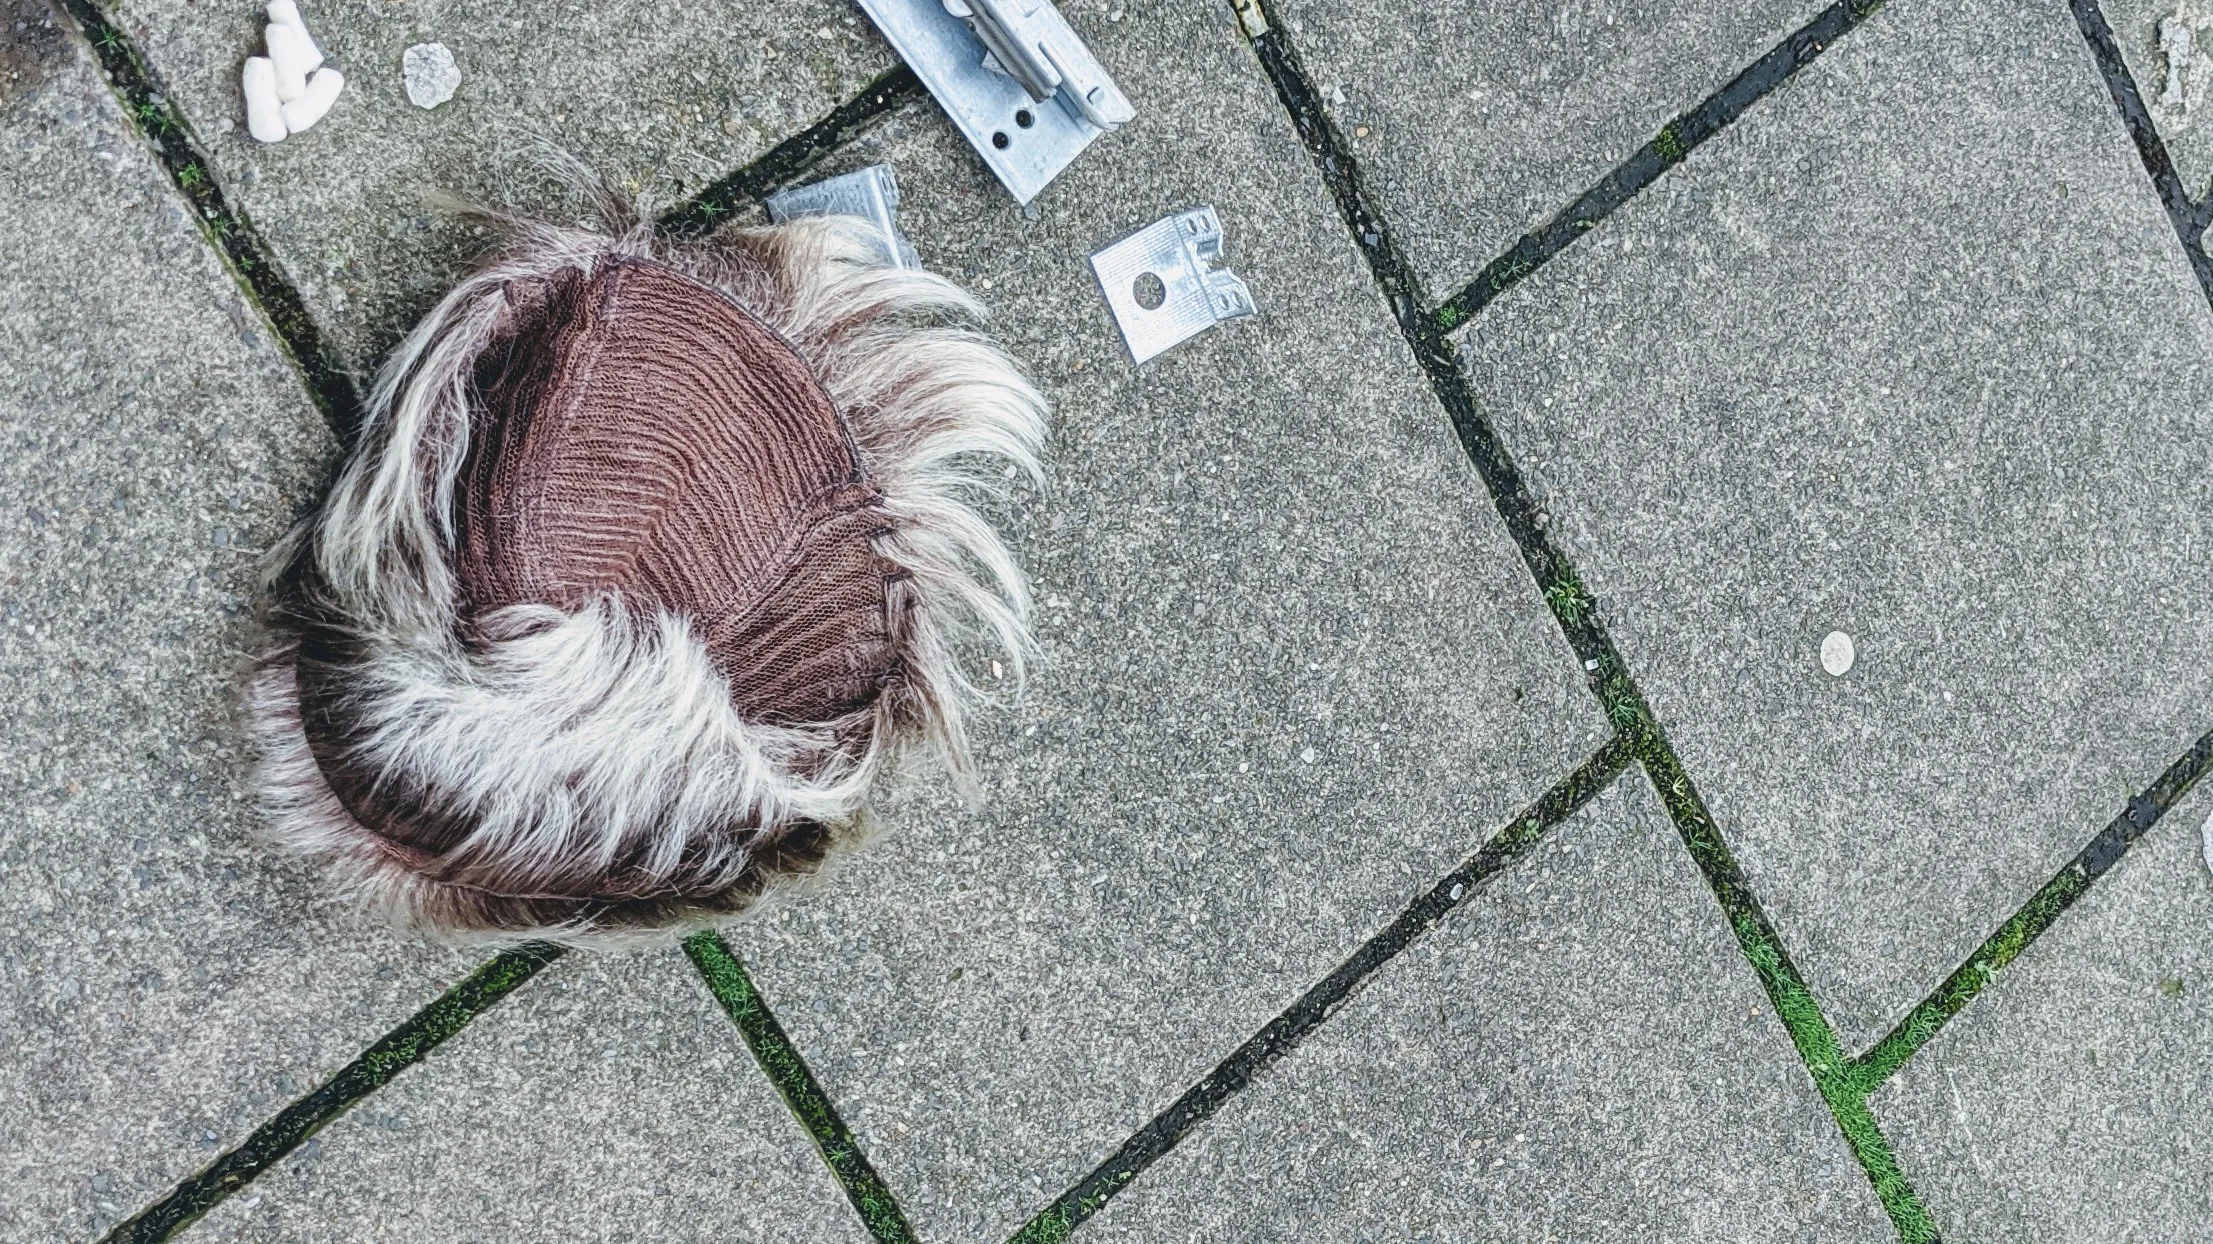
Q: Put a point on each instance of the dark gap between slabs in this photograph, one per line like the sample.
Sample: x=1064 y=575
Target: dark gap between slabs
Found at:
x=1576 y=612
x=260 y=278
x=1667 y=149
x=781 y=1062
x=794 y=157
x=1285 y=1032
x=2070 y=883
x=399 y=1049
x=2190 y=219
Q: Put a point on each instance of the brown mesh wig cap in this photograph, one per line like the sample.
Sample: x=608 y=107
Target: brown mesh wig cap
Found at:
x=651 y=558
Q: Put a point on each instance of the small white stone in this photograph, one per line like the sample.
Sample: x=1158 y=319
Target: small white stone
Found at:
x=322 y=92
x=1307 y=755
x=264 y=111
x=1837 y=654
x=431 y=74
x=286 y=13
x=288 y=52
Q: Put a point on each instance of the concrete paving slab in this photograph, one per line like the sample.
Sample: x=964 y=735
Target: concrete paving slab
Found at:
x=1478 y=122
x=611 y=1100
x=1294 y=670
x=1909 y=352
x=2072 y=1100
x=663 y=98
x=164 y=984
x=2177 y=87
x=1580 y=1053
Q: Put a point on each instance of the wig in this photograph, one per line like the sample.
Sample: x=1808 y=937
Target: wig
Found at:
x=652 y=557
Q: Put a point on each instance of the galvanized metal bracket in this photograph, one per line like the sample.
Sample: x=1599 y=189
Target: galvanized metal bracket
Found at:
x=871 y=193
x=1167 y=282
x=1015 y=78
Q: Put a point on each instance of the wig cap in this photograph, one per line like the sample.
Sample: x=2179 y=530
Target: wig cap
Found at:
x=652 y=556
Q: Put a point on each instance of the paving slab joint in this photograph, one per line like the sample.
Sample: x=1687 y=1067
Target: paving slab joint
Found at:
x=795 y=157
x=2023 y=927
x=260 y=278
x=2190 y=219
x=780 y=1060
x=1313 y=1008
x=1670 y=147
x=398 y=1050
x=1572 y=605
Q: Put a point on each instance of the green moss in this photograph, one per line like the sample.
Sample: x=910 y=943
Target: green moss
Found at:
x=2002 y=947
x=780 y=1061
x=1050 y=1227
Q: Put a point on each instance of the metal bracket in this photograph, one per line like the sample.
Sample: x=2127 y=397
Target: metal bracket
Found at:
x=1167 y=282
x=871 y=193
x=1015 y=78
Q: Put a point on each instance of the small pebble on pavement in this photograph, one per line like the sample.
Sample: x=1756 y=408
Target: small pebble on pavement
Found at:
x=431 y=74
x=1837 y=654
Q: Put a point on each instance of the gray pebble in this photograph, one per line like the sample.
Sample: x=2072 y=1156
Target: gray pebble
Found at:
x=431 y=74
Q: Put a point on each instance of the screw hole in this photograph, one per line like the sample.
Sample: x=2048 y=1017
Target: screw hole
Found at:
x=1023 y=118
x=1000 y=140
x=1149 y=291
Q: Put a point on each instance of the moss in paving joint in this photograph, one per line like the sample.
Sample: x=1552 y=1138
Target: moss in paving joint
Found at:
x=792 y=158
x=400 y=1049
x=1617 y=692
x=1570 y=603
x=781 y=1062
x=1670 y=146
x=2099 y=856
x=1839 y=1081
x=1313 y=1008
x=260 y=282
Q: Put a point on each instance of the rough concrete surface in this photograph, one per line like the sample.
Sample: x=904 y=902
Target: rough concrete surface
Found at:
x=2074 y=1100
x=1579 y=1053
x=610 y=1100
x=1907 y=351
x=1929 y=370
x=164 y=985
x=661 y=98
x=2177 y=88
x=1294 y=671
x=1476 y=123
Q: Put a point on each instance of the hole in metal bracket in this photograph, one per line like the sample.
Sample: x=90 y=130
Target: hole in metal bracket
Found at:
x=1000 y=140
x=1024 y=118
x=1149 y=290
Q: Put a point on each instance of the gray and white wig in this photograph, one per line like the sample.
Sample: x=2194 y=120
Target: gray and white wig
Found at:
x=595 y=763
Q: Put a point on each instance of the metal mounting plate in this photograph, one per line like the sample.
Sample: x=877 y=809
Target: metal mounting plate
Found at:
x=1196 y=290
x=871 y=193
x=986 y=106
